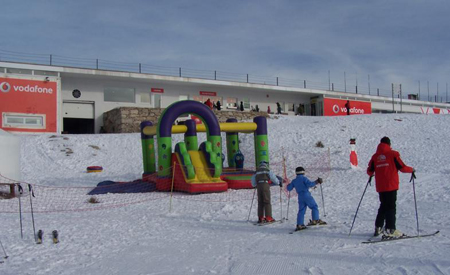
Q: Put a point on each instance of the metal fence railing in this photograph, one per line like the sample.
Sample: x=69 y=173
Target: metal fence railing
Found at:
x=100 y=64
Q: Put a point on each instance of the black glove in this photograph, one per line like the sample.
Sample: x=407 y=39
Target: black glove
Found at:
x=414 y=173
x=281 y=183
x=319 y=180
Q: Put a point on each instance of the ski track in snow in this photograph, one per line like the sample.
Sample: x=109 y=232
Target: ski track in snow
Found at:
x=204 y=237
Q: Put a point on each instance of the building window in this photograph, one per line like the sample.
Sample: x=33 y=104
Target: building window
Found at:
x=17 y=120
x=183 y=97
x=37 y=72
x=145 y=97
x=119 y=95
x=246 y=102
x=18 y=71
x=232 y=103
x=290 y=107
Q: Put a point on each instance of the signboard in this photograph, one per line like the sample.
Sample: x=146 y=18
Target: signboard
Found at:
x=208 y=93
x=28 y=105
x=157 y=90
x=339 y=107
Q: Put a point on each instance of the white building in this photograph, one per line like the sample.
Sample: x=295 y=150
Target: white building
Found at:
x=43 y=98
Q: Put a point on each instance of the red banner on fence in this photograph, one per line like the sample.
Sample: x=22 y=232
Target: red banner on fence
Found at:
x=208 y=93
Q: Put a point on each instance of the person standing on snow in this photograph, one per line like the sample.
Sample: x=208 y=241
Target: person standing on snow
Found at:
x=278 y=108
x=260 y=180
x=386 y=163
x=209 y=103
x=302 y=184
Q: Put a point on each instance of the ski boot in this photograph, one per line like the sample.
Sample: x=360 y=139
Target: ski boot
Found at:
x=378 y=231
x=316 y=222
x=269 y=219
x=300 y=227
x=261 y=219
x=40 y=234
x=392 y=234
x=55 y=236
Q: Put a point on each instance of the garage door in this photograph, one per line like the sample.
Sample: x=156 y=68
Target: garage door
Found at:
x=78 y=110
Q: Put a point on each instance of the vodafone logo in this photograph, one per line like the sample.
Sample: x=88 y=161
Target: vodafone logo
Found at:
x=5 y=87
x=335 y=108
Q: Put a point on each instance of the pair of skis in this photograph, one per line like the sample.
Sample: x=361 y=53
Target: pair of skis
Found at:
x=267 y=223
x=378 y=240
x=55 y=236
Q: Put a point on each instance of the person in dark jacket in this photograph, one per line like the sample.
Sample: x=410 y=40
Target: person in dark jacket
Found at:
x=385 y=164
x=301 y=184
x=241 y=106
x=278 y=108
x=260 y=180
x=218 y=105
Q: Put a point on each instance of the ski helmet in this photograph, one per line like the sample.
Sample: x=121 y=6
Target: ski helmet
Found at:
x=386 y=140
x=299 y=170
x=263 y=164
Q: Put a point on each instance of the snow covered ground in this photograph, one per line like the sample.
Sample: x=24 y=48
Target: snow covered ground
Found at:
x=209 y=233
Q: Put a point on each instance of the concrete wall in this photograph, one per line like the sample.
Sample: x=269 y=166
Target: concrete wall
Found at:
x=92 y=91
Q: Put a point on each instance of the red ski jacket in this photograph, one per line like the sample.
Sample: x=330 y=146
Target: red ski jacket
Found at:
x=386 y=163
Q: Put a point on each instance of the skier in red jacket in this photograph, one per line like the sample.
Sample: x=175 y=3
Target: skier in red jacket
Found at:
x=386 y=163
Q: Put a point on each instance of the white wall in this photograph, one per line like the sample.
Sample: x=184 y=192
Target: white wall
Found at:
x=92 y=90
x=9 y=155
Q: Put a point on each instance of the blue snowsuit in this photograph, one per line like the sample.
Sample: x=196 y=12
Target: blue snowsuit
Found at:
x=305 y=199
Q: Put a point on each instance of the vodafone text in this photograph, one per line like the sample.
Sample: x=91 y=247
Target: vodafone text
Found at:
x=353 y=110
x=33 y=89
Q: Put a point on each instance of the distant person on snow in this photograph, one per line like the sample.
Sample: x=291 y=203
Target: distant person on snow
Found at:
x=347 y=106
x=209 y=103
x=386 y=163
x=278 y=108
x=241 y=107
x=218 y=105
x=260 y=180
x=302 y=184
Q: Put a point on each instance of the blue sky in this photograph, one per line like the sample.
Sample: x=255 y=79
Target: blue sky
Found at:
x=392 y=41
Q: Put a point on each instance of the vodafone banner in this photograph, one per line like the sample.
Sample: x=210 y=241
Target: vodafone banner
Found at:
x=33 y=97
x=338 y=107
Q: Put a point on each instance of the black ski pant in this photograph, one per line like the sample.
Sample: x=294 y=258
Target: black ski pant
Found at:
x=387 y=209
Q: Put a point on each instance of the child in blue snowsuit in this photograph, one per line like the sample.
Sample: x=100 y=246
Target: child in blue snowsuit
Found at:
x=305 y=199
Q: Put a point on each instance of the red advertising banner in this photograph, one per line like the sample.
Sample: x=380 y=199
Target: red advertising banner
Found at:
x=341 y=107
x=208 y=93
x=28 y=105
x=157 y=90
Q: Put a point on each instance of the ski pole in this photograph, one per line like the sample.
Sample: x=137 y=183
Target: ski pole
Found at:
x=413 y=176
x=32 y=213
x=4 y=251
x=289 y=199
x=281 y=205
x=323 y=201
x=20 y=209
x=368 y=182
x=251 y=205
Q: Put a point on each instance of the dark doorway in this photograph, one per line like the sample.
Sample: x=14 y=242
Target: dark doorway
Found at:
x=313 y=109
x=78 y=126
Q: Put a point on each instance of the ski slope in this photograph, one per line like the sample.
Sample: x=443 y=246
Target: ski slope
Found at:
x=210 y=234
